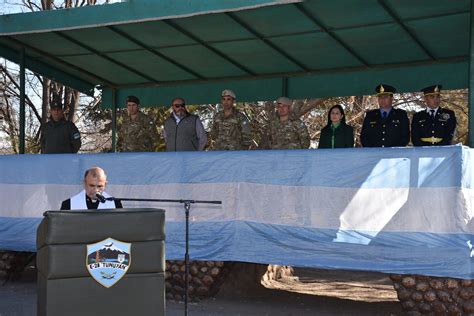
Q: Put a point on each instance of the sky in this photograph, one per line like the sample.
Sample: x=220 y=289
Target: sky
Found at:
x=6 y=7
x=14 y=6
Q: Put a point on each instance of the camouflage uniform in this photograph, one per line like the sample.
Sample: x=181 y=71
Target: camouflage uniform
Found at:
x=139 y=135
x=232 y=132
x=290 y=134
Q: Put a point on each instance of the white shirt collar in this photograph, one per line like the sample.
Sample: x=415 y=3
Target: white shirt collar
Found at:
x=428 y=110
x=177 y=118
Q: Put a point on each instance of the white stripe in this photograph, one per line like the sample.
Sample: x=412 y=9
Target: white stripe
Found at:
x=438 y=210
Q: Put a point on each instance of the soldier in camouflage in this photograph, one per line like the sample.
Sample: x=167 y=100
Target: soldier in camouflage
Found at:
x=284 y=132
x=230 y=128
x=136 y=131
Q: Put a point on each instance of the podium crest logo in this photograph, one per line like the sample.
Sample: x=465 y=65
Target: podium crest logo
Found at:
x=108 y=261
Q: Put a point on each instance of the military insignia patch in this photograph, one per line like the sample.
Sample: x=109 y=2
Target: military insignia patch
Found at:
x=445 y=116
x=108 y=261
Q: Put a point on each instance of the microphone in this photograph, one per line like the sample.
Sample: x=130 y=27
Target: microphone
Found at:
x=100 y=197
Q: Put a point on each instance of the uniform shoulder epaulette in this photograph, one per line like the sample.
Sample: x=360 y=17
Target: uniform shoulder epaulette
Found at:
x=399 y=110
x=448 y=110
x=372 y=111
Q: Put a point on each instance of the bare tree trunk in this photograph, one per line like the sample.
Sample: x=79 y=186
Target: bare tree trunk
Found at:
x=46 y=4
x=74 y=106
x=45 y=101
x=71 y=103
x=67 y=101
x=11 y=123
x=357 y=117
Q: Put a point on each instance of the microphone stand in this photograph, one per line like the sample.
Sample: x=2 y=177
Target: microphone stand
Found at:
x=187 y=207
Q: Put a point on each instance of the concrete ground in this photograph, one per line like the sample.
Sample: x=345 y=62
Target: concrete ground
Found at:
x=313 y=292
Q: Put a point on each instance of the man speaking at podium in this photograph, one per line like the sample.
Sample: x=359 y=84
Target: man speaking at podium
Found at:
x=95 y=181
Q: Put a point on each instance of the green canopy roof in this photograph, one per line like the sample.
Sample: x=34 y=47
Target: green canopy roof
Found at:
x=261 y=49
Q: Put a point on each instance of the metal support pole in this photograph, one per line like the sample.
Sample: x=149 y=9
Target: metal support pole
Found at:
x=114 y=120
x=284 y=87
x=187 y=206
x=22 y=102
x=470 y=137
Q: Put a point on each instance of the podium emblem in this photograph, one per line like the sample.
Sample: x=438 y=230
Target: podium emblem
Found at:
x=108 y=261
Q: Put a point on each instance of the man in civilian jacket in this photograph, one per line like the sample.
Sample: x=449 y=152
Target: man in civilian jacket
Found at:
x=183 y=131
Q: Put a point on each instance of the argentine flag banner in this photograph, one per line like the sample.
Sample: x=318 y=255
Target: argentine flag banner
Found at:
x=394 y=210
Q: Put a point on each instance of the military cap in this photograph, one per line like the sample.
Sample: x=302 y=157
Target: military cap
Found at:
x=436 y=89
x=382 y=89
x=284 y=100
x=132 y=98
x=56 y=105
x=228 y=93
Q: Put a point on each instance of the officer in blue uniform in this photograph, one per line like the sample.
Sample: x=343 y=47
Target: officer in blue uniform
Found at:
x=386 y=126
x=433 y=126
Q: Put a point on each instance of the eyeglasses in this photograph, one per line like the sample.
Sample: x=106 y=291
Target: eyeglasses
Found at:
x=179 y=105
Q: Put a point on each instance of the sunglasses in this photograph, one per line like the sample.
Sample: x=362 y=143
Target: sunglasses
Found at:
x=179 y=105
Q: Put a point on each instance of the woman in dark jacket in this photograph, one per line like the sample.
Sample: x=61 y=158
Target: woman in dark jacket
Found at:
x=336 y=134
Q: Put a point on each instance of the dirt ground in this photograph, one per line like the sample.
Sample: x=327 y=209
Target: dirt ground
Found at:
x=309 y=292
x=347 y=285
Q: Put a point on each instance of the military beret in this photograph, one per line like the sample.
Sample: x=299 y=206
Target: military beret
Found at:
x=134 y=99
x=228 y=93
x=284 y=100
x=436 y=89
x=384 y=89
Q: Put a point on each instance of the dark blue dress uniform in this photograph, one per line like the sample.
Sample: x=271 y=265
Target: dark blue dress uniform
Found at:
x=392 y=131
x=427 y=130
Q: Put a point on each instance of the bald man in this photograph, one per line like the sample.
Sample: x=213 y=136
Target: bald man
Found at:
x=95 y=181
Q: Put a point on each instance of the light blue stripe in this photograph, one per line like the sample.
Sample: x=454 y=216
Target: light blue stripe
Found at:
x=342 y=168
x=446 y=255
x=18 y=234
